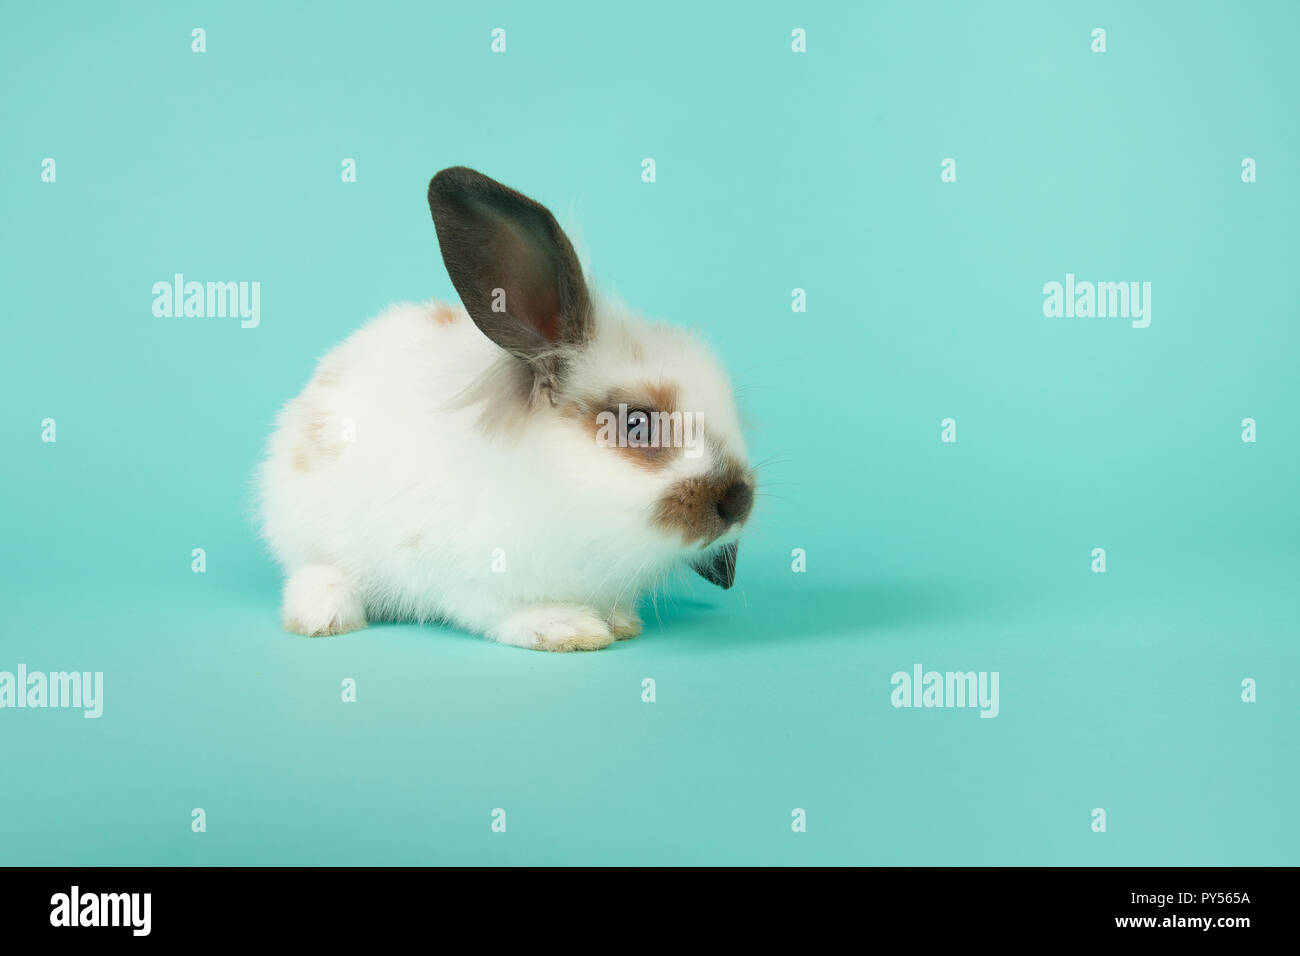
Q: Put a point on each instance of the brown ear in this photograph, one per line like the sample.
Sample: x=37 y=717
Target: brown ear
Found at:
x=514 y=268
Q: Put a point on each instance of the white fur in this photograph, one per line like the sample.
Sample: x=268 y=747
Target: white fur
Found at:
x=320 y=599
x=405 y=522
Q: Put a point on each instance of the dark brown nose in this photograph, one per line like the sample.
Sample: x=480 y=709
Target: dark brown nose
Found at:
x=735 y=503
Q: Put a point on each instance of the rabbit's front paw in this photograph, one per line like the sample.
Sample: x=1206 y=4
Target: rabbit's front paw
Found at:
x=554 y=627
x=624 y=625
x=319 y=599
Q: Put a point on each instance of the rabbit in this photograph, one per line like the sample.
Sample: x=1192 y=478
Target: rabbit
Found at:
x=513 y=466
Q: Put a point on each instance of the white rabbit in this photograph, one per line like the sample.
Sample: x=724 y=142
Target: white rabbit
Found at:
x=516 y=467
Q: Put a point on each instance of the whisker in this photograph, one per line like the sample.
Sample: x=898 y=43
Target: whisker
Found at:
x=778 y=459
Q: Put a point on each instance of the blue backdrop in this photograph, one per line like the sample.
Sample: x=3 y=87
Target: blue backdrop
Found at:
x=1128 y=691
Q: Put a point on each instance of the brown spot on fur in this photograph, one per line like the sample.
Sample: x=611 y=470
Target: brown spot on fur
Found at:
x=328 y=377
x=690 y=506
x=412 y=540
x=656 y=398
x=662 y=395
x=315 y=447
x=315 y=432
x=442 y=314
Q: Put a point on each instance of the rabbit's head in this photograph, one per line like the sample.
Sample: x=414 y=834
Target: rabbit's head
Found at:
x=644 y=414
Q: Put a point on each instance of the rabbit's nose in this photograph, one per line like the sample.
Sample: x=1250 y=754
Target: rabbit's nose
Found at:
x=735 y=503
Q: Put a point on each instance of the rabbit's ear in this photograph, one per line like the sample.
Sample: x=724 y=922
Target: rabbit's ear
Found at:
x=719 y=567
x=514 y=268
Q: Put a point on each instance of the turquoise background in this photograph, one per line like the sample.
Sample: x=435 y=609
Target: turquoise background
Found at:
x=775 y=171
